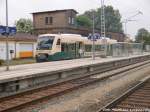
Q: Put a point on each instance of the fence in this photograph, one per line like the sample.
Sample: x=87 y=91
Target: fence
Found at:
x=125 y=49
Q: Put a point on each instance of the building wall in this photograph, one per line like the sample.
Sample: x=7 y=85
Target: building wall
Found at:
x=60 y=19
x=39 y=20
x=83 y=31
x=18 y=49
x=70 y=18
x=3 y=50
x=61 y=24
x=117 y=36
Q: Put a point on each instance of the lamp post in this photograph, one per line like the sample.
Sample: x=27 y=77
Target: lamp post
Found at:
x=7 y=33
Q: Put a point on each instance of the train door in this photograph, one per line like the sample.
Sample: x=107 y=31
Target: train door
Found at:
x=79 y=50
x=64 y=47
x=64 y=51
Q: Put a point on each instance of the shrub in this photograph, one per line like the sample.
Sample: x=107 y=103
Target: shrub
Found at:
x=1 y=62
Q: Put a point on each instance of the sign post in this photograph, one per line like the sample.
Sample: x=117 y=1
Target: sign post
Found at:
x=7 y=31
x=94 y=37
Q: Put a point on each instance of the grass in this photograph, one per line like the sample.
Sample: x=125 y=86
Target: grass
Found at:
x=20 y=61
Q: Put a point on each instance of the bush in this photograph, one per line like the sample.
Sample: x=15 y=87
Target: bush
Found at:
x=1 y=62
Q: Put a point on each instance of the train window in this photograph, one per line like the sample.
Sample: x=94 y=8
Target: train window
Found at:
x=58 y=42
x=71 y=47
x=88 y=48
x=97 y=48
x=45 y=43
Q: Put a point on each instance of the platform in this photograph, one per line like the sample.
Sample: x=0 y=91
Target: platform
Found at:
x=32 y=74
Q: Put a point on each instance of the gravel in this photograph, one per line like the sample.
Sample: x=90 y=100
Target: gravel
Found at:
x=93 y=97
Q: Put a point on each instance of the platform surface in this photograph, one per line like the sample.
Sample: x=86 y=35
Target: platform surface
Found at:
x=32 y=70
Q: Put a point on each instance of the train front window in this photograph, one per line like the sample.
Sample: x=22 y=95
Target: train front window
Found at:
x=45 y=43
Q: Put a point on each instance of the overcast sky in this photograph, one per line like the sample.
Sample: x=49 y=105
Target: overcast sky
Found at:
x=24 y=8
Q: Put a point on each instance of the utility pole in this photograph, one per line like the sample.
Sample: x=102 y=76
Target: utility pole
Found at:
x=129 y=19
x=103 y=34
x=7 y=33
x=93 y=38
x=125 y=25
x=103 y=28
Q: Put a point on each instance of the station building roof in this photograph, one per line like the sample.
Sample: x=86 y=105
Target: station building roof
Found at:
x=54 y=11
x=20 y=37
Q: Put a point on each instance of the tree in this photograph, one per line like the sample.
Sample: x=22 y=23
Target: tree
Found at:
x=24 y=26
x=112 y=17
x=143 y=36
x=83 y=21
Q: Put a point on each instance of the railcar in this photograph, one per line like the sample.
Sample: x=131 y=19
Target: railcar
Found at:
x=53 y=47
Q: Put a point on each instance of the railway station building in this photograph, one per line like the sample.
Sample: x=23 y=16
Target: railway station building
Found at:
x=63 y=21
x=20 y=46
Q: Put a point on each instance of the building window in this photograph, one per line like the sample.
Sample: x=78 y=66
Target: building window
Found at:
x=48 y=20
x=51 y=20
x=71 y=20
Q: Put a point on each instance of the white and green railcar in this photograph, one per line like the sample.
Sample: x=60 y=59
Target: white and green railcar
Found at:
x=52 y=47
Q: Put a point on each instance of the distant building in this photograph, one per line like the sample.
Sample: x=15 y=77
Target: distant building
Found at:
x=20 y=46
x=54 y=21
x=63 y=21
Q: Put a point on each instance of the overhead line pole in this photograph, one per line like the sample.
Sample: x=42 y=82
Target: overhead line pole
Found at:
x=129 y=19
x=103 y=27
x=103 y=19
x=93 y=45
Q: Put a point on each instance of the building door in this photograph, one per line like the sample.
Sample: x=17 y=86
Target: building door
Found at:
x=26 y=50
x=79 y=49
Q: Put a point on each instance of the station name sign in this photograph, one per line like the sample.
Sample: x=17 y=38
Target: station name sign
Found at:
x=11 y=30
x=94 y=37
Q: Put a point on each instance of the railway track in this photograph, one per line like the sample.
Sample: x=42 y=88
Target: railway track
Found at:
x=21 y=100
x=137 y=99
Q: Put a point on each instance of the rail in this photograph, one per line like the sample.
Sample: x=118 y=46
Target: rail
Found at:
x=24 y=99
